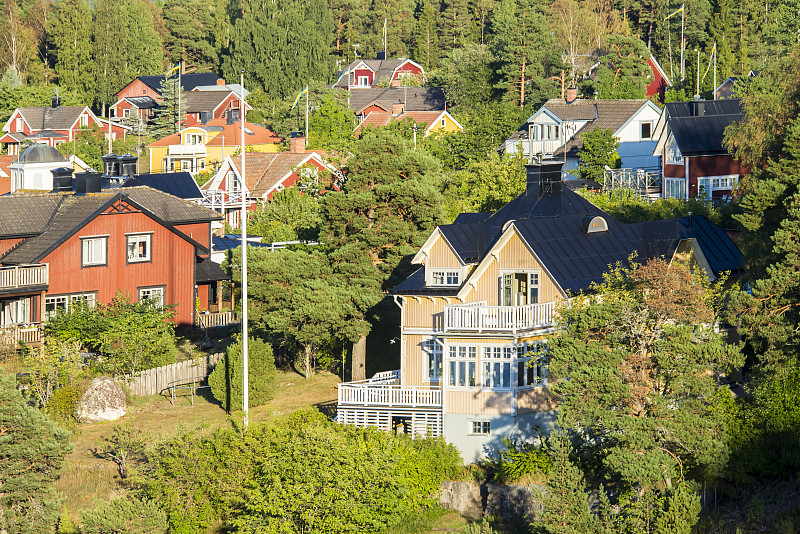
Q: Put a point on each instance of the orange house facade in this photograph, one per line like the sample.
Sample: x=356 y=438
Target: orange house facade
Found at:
x=89 y=247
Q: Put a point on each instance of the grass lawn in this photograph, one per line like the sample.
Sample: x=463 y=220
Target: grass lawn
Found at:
x=87 y=478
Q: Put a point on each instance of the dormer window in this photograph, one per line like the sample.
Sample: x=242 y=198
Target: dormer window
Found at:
x=193 y=139
x=363 y=81
x=19 y=124
x=84 y=121
x=597 y=224
x=445 y=278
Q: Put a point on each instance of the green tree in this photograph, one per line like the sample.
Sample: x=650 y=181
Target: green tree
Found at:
x=89 y=145
x=281 y=46
x=190 y=36
x=226 y=378
x=125 y=442
x=330 y=125
x=485 y=185
x=71 y=37
x=297 y=296
x=426 y=38
x=172 y=111
x=384 y=212
x=466 y=75
x=32 y=451
x=523 y=45
x=137 y=335
x=598 y=151
x=124 y=514
x=289 y=216
x=51 y=366
x=624 y=71
x=639 y=353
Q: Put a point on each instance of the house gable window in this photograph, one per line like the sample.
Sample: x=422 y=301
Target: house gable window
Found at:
x=20 y=124
x=138 y=248
x=519 y=288
x=363 y=81
x=672 y=154
x=93 y=251
x=153 y=294
x=646 y=130
x=84 y=121
x=445 y=278
x=531 y=368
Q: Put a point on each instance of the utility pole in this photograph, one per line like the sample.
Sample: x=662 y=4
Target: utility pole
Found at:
x=243 y=224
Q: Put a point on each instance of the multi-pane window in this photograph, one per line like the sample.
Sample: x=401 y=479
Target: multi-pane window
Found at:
x=234 y=186
x=53 y=305
x=481 y=427
x=433 y=349
x=531 y=368
x=497 y=367
x=708 y=184
x=363 y=81
x=463 y=365
x=674 y=188
x=546 y=132
x=154 y=294
x=672 y=153
x=93 y=251
x=519 y=289
x=445 y=278
x=138 y=248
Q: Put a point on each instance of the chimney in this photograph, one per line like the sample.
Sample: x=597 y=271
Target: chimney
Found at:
x=110 y=164
x=381 y=55
x=221 y=81
x=87 y=182
x=543 y=179
x=398 y=108
x=297 y=143
x=62 y=179
x=397 y=82
x=572 y=94
x=55 y=102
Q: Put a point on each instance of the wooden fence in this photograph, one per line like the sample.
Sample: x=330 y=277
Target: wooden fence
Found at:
x=154 y=381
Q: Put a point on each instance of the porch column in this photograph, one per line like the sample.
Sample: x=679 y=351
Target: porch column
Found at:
x=219 y=296
x=41 y=307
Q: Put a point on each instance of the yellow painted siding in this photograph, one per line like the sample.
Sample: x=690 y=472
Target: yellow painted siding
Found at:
x=216 y=154
x=514 y=255
x=442 y=255
x=425 y=313
x=484 y=402
x=157 y=154
x=534 y=400
x=416 y=361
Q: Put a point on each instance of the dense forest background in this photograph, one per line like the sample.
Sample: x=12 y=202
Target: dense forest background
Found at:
x=520 y=52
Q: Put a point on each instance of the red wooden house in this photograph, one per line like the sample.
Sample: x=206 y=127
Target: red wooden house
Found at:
x=660 y=82
x=694 y=161
x=61 y=247
x=369 y=73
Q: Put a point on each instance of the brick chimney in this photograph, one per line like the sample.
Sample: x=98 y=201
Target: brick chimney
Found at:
x=221 y=81
x=398 y=108
x=397 y=82
x=297 y=144
x=572 y=94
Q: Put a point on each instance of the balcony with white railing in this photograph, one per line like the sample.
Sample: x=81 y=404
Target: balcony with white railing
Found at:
x=512 y=319
x=384 y=389
x=23 y=277
x=187 y=150
x=11 y=335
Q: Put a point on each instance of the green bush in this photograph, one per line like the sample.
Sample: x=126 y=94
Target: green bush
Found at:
x=517 y=460
x=226 y=379
x=302 y=473
x=128 y=515
x=63 y=403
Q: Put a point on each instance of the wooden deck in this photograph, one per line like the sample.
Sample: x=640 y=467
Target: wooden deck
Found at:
x=472 y=318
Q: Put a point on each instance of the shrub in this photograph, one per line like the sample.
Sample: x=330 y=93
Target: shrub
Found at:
x=63 y=404
x=226 y=378
x=517 y=460
x=128 y=515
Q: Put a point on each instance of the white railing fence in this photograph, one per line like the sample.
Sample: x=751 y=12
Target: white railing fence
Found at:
x=498 y=318
x=210 y=320
x=30 y=334
x=23 y=276
x=389 y=395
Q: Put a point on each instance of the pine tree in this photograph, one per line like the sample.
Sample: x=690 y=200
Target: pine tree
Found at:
x=398 y=17
x=32 y=451
x=171 y=112
x=457 y=24
x=71 y=37
x=426 y=40
x=190 y=36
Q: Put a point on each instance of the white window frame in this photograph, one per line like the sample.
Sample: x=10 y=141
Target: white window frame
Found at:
x=480 y=428
x=233 y=183
x=497 y=368
x=444 y=277
x=65 y=302
x=675 y=188
x=98 y=257
x=84 y=122
x=532 y=290
x=20 y=124
x=434 y=349
x=443 y=123
x=462 y=368
x=724 y=182
x=126 y=112
x=531 y=376
x=156 y=292
x=134 y=239
x=363 y=81
x=672 y=153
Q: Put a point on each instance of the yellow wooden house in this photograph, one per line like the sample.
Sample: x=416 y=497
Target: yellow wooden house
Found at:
x=476 y=315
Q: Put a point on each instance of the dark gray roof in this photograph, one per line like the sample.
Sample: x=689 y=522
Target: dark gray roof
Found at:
x=142 y=102
x=699 y=125
x=50 y=118
x=179 y=184
x=207 y=271
x=41 y=153
x=188 y=81
x=66 y=213
x=728 y=106
x=415 y=98
x=554 y=225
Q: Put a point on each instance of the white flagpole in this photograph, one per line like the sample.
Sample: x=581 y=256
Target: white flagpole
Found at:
x=243 y=223
x=306 y=115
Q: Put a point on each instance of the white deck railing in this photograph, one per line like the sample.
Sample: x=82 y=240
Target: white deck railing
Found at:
x=470 y=318
x=22 y=276
x=30 y=334
x=210 y=320
x=384 y=389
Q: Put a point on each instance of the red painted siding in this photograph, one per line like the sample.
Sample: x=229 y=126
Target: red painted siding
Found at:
x=659 y=84
x=172 y=264
x=409 y=68
x=8 y=244
x=200 y=232
x=137 y=88
x=362 y=72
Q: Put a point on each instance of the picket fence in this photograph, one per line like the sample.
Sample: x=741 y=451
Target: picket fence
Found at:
x=154 y=381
